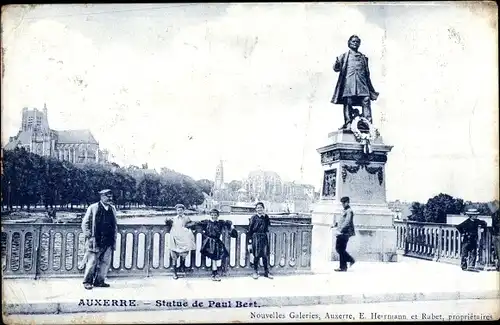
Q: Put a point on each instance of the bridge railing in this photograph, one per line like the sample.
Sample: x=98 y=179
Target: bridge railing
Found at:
x=441 y=243
x=56 y=250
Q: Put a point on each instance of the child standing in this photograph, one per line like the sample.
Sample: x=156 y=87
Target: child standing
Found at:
x=257 y=236
x=181 y=237
x=212 y=246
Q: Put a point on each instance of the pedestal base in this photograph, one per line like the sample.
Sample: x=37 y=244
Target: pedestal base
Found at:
x=352 y=172
x=375 y=238
x=371 y=245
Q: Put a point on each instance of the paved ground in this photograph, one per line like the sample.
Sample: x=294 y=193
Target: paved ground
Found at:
x=409 y=280
x=420 y=311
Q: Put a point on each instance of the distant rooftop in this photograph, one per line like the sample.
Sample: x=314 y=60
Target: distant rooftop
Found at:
x=76 y=136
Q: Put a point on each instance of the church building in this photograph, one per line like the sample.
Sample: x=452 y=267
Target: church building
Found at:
x=75 y=146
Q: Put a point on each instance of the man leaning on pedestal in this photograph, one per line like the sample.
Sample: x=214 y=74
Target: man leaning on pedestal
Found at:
x=495 y=231
x=469 y=232
x=99 y=227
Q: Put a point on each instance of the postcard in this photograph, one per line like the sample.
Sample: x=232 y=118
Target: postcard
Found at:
x=250 y=162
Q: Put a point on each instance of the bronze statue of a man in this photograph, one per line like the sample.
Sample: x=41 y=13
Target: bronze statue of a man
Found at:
x=354 y=86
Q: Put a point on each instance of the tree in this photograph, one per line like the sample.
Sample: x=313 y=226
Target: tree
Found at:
x=481 y=207
x=439 y=206
x=29 y=179
x=417 y=212
x=149 y=190
x=205 y=185
x=235 y=185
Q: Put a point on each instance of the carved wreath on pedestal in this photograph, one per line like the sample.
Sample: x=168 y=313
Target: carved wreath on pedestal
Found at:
x=364 y=132
x=372 y=170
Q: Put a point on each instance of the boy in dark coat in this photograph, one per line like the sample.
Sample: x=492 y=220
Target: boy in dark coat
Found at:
x=469 y=231
x=258 y=240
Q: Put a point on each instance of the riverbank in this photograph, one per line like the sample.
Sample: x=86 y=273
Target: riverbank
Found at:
x=134 y=216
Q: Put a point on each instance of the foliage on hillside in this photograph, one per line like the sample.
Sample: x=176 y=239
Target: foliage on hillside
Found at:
x=29 y=179
x=437 y=207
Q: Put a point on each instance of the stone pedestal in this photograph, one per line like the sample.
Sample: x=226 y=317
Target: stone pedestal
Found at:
x=348 y=171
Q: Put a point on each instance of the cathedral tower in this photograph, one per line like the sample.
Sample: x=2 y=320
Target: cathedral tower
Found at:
x=219 y=177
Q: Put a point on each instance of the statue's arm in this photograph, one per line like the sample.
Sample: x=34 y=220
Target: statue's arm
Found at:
x=367 y=67
x=338 y=65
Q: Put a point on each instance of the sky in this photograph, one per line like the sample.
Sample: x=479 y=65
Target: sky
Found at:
x=184 y=86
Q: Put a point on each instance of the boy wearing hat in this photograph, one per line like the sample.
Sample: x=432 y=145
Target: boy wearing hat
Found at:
x=212 y=246
x=181 y=237
x=469 y=231
x=257 y=237
x=99 y=227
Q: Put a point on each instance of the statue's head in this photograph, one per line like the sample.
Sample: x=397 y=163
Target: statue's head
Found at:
x=354 y=42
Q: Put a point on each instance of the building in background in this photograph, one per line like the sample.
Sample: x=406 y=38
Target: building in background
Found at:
x=260 y=185
x=36 y=136
x=221 y=192
x=400 y=210
x=264 y=186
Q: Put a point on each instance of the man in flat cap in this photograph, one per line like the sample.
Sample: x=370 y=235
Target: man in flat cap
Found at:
x=99 y=227
x=495 y=231
x=469 y=231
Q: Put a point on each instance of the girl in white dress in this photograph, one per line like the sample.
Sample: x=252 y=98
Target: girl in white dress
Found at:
x=182 y=239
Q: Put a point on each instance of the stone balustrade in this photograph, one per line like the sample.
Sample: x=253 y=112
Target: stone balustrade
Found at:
x=441 y=243
x=54 y=250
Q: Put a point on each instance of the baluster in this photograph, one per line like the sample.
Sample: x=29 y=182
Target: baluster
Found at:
x=123 y=248
x=422 y=240
x=21 y=250
x=419 y=241
x=167 y=256
x=415 y=240
x=50 y=248
x=8 y=251
x=442 y=245
x=233 y=252
x=292 y=248
x=36 y=251
x=481 y=249
x=148 y=254
x=452 y=243
x=427 y=241
x=244 y=256
x=135 y=249
x=449 y=232
x=489 y=245
x=446 y=245
x=155 y=250
x=411 y=239
x=284 y=249
x=76 y=239
x=433 y=242
x=405 y=239
x=399 y=236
